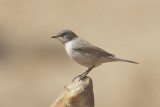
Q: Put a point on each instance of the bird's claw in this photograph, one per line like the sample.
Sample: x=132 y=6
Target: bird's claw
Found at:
x=81 y=77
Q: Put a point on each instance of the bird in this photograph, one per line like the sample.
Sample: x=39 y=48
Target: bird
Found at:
x=85 y=53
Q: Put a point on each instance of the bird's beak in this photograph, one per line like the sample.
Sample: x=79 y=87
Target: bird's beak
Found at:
x=54 y=36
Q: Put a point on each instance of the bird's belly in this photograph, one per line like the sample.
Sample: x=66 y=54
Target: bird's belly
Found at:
x=84 y=59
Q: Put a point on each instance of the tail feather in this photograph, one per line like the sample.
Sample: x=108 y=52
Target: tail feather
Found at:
x=128 y=61
x=124 y=60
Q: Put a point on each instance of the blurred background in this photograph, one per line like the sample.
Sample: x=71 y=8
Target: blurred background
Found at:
x=35 y=68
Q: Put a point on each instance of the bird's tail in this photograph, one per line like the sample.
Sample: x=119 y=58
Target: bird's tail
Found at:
x=124 y=60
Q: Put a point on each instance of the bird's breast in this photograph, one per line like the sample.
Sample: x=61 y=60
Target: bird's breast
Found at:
x=69 y=48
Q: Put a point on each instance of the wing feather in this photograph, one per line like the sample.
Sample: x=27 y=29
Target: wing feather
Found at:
x=90 y=49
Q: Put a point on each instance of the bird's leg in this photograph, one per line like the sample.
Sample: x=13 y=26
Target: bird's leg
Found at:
x=83 y=75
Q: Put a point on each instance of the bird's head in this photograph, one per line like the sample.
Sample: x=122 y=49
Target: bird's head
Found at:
x=65 y=36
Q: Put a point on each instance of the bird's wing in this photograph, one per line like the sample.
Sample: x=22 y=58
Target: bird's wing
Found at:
x=88 y=48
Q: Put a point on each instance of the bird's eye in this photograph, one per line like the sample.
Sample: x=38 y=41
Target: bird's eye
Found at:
x=62 y=34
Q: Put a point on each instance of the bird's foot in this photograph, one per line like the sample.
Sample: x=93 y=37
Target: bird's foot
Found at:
x=81 y=77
